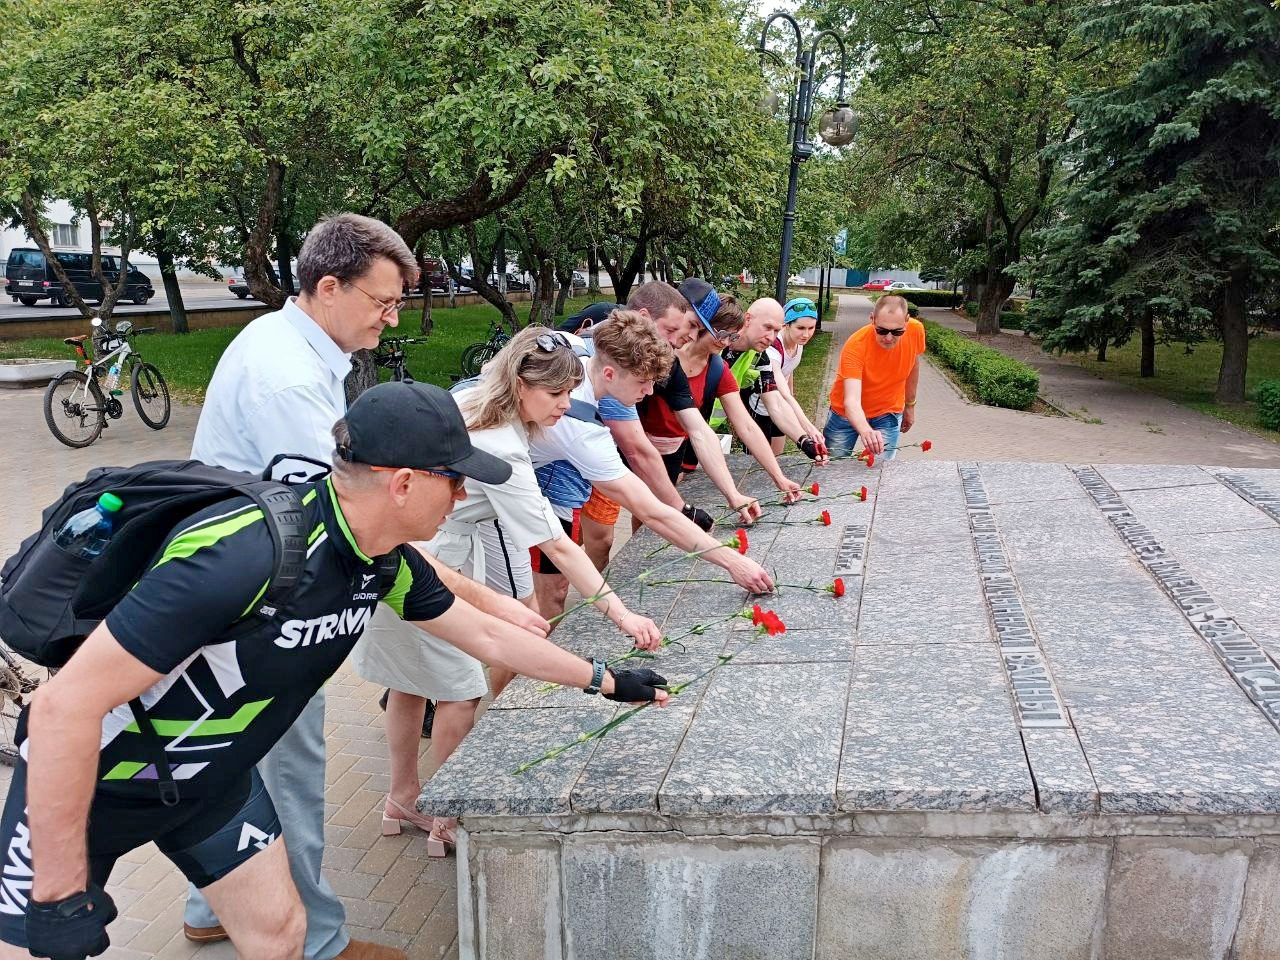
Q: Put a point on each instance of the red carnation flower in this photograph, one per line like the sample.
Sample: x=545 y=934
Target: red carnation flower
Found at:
x=757 y=615
x=837 y=587
x=741 y=536
x=814 y=489
x=871 y=459
x=826 y=518
x=862 y=494
x=926 y=445
x=772 y=623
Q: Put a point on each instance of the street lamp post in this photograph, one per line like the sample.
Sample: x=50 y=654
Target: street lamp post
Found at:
x=836 y=127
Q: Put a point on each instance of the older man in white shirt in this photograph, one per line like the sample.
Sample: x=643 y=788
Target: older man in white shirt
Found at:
x=278 y=389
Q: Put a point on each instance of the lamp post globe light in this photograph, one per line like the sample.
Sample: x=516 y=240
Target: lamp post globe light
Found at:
x=836 y=126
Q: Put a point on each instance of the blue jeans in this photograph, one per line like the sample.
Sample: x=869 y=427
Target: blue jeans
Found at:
x=841 y=437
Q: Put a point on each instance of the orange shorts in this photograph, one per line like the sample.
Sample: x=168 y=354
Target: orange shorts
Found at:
x=601 y=509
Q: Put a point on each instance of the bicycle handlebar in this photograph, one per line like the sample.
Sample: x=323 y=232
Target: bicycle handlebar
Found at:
x=145 y=330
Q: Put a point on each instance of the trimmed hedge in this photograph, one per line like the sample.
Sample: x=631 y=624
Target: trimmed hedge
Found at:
x=1268 y=397
x=999 y=381
x=970 y=309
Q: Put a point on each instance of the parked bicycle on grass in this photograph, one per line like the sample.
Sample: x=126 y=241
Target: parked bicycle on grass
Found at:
x=478 y=354
x=78 y=402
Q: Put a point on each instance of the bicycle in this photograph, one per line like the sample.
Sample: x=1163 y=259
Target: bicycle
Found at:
x=389 y=354
x=76 y=407
x=17 y=682
x=478 y=354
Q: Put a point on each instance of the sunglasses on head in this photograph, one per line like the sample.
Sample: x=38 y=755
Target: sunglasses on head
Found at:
x=551 y=342
x=886 y=332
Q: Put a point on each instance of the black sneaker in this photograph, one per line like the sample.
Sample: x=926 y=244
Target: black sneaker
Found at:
x=427 y=720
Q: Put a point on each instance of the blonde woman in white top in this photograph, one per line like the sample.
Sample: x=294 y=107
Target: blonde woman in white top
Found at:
x=524 y=389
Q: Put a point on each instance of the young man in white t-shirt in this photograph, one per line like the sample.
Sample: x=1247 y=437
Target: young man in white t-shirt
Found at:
x=630 y=355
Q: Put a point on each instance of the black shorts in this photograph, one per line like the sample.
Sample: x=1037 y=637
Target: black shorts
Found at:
x=205 y=838
x=766 y=425
x=682 y=461
x=573 y=529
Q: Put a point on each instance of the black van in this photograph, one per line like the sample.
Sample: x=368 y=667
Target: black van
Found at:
x=29 y=279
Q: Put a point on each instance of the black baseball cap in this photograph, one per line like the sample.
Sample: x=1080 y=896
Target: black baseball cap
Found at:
x=703 y=298
x=416 y=425
x=590 y=315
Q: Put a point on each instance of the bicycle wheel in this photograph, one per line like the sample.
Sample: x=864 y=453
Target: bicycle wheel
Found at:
x=475 y=357
x=150 y=396
x=75 y=414
x=17 y=681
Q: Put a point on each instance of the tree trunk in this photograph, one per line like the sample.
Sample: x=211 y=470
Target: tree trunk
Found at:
x=424 y=283
x=363 y=375
x=994 y=293
x=169 y=276
x=624 y=274
x=256 y=270
x=284 y=262
x=565 y=280
x=593 y=271
x=543 y=309
x=451 y=284
x=480 y=266
x=1102 y=350
x=1233 y=322
x=1148 y=363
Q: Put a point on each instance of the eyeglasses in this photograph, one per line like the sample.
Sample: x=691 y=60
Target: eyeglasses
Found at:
x=727 y=336
x=393 y=307
x=551 y=342
x=886 y=332
x=457 y=479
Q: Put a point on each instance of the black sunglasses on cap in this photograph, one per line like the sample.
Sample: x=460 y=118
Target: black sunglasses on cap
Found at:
x=885 y=332
x=551 y=342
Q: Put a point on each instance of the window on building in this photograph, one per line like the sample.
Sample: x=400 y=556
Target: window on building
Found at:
x=65 y=235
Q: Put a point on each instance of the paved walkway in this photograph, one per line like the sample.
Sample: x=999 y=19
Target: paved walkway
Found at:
x=1136 y=427
x=393 y=893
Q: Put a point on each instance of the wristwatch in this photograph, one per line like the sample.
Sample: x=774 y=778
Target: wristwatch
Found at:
x=597 y=676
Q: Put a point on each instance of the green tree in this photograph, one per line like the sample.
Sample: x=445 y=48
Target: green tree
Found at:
x=1170 y=226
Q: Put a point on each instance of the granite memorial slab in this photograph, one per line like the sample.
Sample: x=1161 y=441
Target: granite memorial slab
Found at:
x=1049 y=687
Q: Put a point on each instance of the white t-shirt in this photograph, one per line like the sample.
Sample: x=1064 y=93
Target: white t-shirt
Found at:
x=518 y=505
x=776 y=354
x=586 y=447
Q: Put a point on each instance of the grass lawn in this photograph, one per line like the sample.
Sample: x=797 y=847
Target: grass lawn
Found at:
x=810 y=374
x=187 y=361
x=1190 y=378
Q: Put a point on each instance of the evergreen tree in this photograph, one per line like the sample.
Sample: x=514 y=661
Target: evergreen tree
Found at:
x=1171 y=223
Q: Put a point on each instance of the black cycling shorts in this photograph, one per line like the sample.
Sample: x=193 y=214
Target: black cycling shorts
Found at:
x=205 y=838
x=680 y=462
x=766 y=425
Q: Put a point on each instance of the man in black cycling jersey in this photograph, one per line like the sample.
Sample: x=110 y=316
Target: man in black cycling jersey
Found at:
x=221 y=683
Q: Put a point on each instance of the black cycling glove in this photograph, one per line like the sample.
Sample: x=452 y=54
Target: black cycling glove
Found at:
x=699 y=516
x=635 y=686
x=72 y=928
x=809 y=447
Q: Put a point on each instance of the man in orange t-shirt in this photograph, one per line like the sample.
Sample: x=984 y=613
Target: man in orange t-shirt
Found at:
x=874 y=396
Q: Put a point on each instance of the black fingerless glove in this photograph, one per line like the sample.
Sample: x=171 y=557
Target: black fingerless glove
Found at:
x=699 y=516
x=809 y=447
x=72 y=928
x=635 y=686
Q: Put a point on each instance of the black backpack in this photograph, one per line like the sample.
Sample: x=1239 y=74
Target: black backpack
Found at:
x=51 y=600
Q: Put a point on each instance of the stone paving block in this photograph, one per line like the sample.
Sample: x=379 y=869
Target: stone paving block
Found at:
x=931 y=727
x=518 y=898
x=1258 y=935
x=802 y=609
x=366 y=913
x=500 y=742
x=1029 y=482
x=886 y=900
x=791 y=738
x=914 y=612
x=801 y=646
x=1123 y=476
x=1195 y=510
x=1064 y=783
x=634 y=899
x=1174 y=899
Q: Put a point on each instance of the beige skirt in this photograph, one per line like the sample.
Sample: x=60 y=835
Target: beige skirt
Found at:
x=400 y=656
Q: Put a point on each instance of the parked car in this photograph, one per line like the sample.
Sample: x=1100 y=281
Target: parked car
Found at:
x=796 y=280
x=237 y=284
x=900 y=285
x=30 y=279
x=877 y=284
x=579 y=280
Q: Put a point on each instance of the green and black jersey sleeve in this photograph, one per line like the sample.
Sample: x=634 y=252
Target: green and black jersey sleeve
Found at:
x=418 y=593
x=210 y=573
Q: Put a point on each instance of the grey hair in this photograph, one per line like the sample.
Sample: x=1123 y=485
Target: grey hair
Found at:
x=351 y=473
x=346 y=245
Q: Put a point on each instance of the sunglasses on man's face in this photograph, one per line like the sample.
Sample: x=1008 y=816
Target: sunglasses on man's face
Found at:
x=456 y=479
x=886 y=332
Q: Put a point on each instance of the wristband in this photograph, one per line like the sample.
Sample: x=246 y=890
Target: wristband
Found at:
x=597 y=677
x=911 y=403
